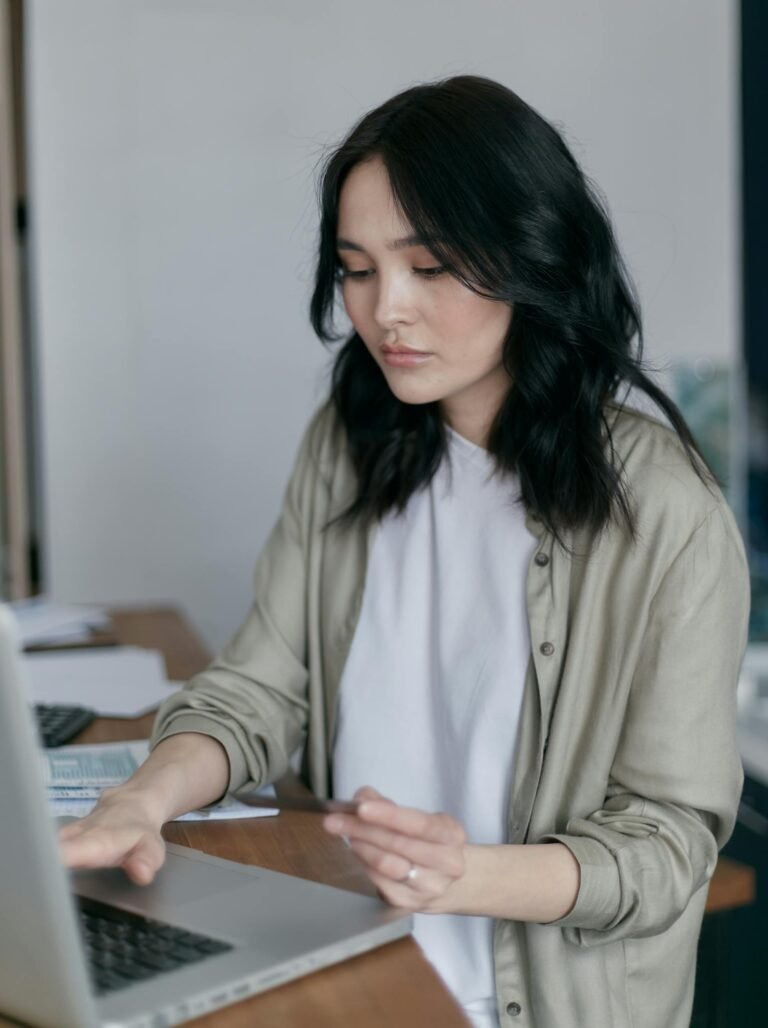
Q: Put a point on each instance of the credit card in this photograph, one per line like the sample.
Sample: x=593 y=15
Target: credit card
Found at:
x=307 y=804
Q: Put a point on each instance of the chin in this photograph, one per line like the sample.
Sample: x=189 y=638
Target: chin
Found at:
x=412 y=394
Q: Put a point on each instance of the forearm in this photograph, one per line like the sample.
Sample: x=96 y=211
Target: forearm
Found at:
x=518 y=883
x=182 y=773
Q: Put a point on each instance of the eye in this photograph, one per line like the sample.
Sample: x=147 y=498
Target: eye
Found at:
x=344 y=273
x=438 y=269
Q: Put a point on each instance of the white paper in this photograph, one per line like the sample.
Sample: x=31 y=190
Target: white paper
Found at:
x=227 y=810
x=122 y=681
x=41 y=621
x=230 y=809
x=62 y=637
x=72 y=793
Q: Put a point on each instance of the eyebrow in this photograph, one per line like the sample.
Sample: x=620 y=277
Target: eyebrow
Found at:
x=395 y=244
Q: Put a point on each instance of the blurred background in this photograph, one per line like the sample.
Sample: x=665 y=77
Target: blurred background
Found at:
x=157 y=230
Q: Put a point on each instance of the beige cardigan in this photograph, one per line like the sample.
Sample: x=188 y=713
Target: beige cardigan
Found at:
x=627 y=750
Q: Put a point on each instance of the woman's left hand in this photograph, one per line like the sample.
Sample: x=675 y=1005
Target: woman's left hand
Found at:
x=413 y=858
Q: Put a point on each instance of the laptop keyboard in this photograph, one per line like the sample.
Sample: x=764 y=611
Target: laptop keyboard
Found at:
x=123 y=948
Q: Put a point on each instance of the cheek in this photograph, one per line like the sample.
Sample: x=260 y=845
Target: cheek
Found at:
x=476 y=326
x=357 y=308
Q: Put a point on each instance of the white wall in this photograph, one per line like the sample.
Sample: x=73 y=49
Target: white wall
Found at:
x=172 y=146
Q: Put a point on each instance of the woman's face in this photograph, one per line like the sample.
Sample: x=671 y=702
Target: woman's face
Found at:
x=434 y=339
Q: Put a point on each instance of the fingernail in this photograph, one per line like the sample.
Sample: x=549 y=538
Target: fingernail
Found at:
x=333 y=823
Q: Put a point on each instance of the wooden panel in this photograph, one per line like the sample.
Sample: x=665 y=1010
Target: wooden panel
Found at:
x=732 y=885
x=14 y=517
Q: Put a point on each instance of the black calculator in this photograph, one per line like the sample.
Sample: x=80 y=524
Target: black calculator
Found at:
x=58 y=723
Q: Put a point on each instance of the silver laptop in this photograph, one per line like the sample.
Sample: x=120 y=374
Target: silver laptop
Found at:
x=207 y=932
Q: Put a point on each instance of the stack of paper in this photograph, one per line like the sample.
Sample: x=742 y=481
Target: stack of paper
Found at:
x=43 y=623
x=122 y=681
x=76 y=775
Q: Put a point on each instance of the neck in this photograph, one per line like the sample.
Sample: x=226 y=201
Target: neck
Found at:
x=473 y=419
x=476 y=432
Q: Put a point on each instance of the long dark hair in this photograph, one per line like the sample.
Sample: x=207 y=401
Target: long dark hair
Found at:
x=495 y=189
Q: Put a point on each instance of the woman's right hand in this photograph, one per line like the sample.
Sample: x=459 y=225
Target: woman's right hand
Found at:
x=183 y=772
x=121 y=831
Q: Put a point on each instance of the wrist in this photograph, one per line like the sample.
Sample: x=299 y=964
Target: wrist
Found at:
x=463 y=896
x=458 y=897
x=515 y=882
x=147 y=802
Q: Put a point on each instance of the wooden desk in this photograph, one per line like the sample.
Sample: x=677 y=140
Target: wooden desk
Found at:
x=392 y=985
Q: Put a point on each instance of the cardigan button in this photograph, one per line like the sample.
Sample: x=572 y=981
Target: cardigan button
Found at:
x=541 y=559
x=547 y=649
x=513 y=1009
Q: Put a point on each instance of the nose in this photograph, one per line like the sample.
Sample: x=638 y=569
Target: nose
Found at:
x=394 y=301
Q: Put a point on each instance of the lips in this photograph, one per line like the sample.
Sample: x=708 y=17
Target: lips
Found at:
x=405 y=350
x=404 y=356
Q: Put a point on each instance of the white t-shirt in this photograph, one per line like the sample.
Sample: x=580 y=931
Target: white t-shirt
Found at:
x=430 y=696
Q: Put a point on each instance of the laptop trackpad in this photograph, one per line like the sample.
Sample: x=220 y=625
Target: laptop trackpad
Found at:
x=178 y=887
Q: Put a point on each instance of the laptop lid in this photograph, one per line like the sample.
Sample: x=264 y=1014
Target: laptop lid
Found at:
x=43 y=978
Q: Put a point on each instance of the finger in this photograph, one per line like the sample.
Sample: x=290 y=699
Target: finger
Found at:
x=101 y=847
x=448 y=860
x=367 y=792
x=384 y=862
x=440 y=828
x=95 y=848
x=397 y=894
x=419 y=847
x=69 y=831
x=143 y=863
x=139 y=872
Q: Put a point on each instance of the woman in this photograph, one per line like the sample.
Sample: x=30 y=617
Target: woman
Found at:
x=500 y=608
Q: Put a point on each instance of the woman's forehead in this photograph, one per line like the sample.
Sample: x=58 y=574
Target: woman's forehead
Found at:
x=366 y=198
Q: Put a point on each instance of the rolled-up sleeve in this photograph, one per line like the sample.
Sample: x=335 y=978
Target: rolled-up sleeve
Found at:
x=676 y=777
x=253 y=696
